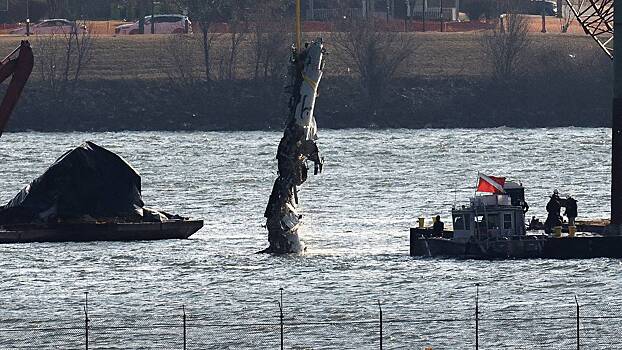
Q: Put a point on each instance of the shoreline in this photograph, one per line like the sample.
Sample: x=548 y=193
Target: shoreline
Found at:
x=244 y=105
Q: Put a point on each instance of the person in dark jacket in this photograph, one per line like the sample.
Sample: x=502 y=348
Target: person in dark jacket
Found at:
x=553 y=207
x=438 y=227
x=571 y=210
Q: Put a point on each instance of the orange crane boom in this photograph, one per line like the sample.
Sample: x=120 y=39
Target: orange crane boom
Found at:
x=19 y=68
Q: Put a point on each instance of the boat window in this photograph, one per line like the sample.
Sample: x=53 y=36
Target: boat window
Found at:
x=458 y=222
x=467 y=221
x=493 y=221
x=507 y=221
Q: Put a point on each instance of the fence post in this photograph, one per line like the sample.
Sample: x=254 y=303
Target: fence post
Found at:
x=281 y=315
x=477 y=316
x=578 y=341
x=442 y=19
x=86 y=320
x=183 y=309
x=424 y=7
x=380 y=308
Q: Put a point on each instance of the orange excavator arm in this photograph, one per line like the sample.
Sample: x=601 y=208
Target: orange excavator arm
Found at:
x=19 y=68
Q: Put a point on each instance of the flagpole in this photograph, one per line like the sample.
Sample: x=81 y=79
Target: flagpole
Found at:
x=475 y=208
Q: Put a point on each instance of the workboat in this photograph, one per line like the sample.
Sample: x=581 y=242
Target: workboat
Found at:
x=492 y=226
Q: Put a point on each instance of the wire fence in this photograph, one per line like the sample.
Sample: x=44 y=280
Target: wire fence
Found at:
x=567 y=326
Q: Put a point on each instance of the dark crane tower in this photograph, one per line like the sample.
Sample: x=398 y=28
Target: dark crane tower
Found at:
x=599 y=19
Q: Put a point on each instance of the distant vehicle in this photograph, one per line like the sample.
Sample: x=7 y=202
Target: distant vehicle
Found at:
x=537 y=7
x=163 y=24
x=52 y=26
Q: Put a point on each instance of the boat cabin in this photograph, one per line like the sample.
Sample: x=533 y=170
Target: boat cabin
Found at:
x=491 y=216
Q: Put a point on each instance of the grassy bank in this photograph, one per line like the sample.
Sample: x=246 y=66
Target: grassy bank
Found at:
x=145 y=57
x=131 y=83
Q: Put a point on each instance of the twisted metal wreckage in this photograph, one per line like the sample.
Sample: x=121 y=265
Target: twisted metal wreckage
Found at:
x=296 y=147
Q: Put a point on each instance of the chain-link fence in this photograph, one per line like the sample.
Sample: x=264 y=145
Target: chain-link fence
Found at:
x=556 y=326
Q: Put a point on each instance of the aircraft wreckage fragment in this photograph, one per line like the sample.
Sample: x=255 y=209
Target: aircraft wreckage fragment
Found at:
x=296 y=147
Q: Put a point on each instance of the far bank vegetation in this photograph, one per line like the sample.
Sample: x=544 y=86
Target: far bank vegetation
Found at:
x=234 y=80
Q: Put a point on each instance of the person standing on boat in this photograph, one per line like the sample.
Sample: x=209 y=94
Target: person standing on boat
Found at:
x=438 y=227
x=553 y=208
x=571 y=210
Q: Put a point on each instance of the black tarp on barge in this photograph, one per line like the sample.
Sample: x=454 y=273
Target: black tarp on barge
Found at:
x=88 y=183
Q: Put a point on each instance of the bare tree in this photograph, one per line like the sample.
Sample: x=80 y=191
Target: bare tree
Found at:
x=375 y=55
x=567 y=16
x=270 y=40
x=178 y=56
x=205 y=13
x=238 y=28
x=269 y=43
x=54 y=8
x=62 y=59
x=506 y=46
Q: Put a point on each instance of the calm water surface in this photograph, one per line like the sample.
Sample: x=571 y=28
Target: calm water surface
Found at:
x=357 y=215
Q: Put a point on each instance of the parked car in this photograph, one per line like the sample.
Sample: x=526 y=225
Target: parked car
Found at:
x=52 y=26
x=537 y=7
x=163 y=24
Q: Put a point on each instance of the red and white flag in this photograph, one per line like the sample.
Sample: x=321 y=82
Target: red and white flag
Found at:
x=490 y=184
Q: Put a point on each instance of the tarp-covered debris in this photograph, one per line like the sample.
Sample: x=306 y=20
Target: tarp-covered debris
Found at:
x=88 y=183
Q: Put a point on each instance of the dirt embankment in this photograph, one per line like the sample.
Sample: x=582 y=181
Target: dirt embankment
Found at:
x=134 y=83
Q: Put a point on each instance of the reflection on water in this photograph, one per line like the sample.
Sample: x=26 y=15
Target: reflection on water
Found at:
x=357 y=215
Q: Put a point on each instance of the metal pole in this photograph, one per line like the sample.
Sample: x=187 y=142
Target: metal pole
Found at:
x=442 y=29
x=281 y=315
x=152 y=16
x=477 y=316
x=380 y=307
x=406 y=15
x=183 y=308
x=409 y=14
x=578 y=341
x=27 y=17
x=141 y=17
x=392 y=9
x=616 y=132
x=424 y=7
x=86 y=320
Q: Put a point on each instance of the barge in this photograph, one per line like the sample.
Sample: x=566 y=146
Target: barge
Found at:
x=99 y=231
x=88 y=194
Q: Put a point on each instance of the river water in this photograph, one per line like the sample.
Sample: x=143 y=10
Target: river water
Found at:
x=357 y=216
